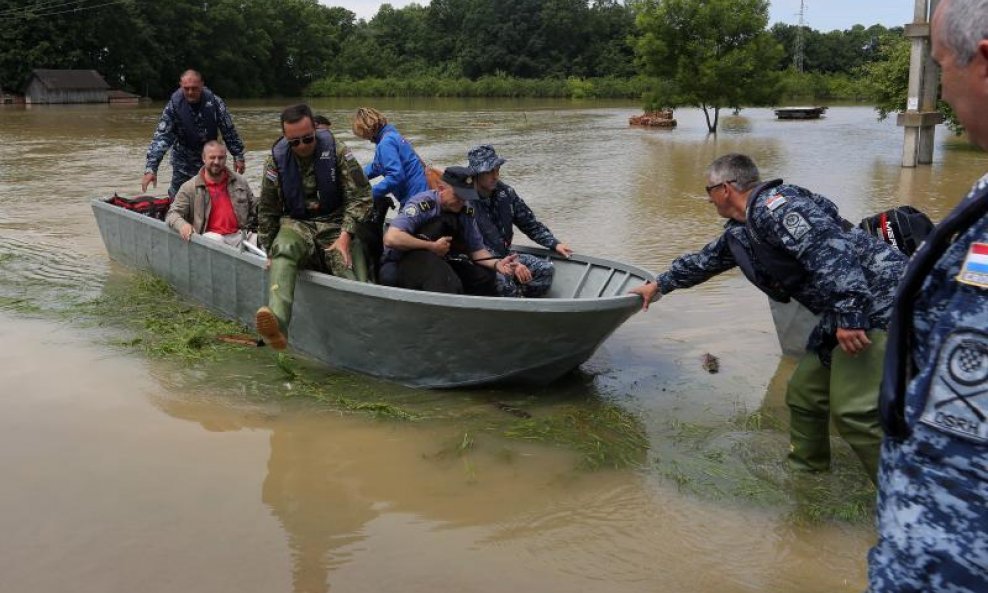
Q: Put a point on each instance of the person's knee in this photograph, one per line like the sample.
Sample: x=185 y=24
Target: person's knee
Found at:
x=289 y=245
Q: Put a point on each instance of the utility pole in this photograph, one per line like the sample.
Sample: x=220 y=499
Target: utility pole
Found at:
x=921 y=116
x=797 y=58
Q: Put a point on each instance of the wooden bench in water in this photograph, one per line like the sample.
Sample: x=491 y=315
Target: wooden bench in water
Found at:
x=415 y=338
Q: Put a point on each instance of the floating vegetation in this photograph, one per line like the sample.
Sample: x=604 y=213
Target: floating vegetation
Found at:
x=744 y=457
x=605 y=435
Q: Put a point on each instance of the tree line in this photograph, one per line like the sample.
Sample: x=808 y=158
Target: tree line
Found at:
x=262 y=48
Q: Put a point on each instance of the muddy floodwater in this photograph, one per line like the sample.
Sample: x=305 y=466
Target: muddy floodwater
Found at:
x=127 y=464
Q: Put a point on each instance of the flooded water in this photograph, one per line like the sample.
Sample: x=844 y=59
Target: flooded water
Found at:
x=121 y=471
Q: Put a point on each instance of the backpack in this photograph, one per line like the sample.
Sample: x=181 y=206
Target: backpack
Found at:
x=153 y=206
x=902 y=227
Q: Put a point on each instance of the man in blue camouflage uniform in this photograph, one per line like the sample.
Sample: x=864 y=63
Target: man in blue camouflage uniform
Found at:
x=433 y=243
x=314 y=197
x=192 y=117
x=792 y=243
x=499 y=210
x=933 y=481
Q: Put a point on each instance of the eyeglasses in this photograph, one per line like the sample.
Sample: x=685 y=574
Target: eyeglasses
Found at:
x=307 y=139
x=711 y=188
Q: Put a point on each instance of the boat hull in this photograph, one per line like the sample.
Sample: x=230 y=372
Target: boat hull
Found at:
x=420 y=339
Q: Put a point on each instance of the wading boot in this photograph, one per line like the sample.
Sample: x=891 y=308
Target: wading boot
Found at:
x=269 y=328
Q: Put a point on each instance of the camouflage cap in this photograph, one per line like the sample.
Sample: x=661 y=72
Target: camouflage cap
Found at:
x=461 y=180
x=483 y=158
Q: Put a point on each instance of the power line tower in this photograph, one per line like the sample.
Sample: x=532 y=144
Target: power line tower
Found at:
x=797 y=58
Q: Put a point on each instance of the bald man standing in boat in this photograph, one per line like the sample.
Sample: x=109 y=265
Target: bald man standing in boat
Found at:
x=192 y=117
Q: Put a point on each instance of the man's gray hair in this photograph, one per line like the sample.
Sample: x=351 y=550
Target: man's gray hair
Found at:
x=736 y=168
x=964 y=25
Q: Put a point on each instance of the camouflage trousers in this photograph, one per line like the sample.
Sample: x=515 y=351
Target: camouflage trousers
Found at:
x=182 y=171
x=931 y=518
x=542 y=272
x=304 y=245
x=847 y=392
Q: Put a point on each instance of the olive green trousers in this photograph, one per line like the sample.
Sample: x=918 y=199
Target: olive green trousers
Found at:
x=292 y=250
x=846 y=392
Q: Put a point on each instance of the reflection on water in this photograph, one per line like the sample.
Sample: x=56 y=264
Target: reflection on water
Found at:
x=240 y=484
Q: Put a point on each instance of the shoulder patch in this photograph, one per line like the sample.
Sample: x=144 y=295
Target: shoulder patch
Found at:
x=796 y=225
x=426 y=205
x=975 y=269
x=162 y=126
x=410 y=210
x=775 y=201
x=271 y=174
x=469 y=211
x=955 y=403
x=348 y=155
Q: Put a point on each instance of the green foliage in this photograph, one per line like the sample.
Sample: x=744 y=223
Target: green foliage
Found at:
x=716 y=52
x=819 y=86
x=886 y=81
x=485 y=86
x=244 y=48
x=838 y=51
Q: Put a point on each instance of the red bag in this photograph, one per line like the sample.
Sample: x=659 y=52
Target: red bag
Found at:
x=153 y=206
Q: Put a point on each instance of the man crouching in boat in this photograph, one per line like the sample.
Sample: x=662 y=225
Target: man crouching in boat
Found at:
x=433 y=244
x=313 y=197
x=217 y=203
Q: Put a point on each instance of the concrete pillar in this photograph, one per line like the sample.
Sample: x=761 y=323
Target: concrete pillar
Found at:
x=921 y=117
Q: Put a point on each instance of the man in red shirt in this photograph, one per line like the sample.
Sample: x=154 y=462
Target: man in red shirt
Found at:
x=217 y=203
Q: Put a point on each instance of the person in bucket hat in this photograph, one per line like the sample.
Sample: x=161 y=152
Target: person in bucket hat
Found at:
x=498 y=211
x=433 y=243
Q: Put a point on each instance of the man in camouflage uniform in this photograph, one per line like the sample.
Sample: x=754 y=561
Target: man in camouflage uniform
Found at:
x=933 y=480
x=791 y=243
x=498 y=211
x=192 y=117
x=314 y=195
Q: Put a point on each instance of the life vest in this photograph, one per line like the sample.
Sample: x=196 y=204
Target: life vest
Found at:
x=900 y=368
x=777 y=273
x=188 y=130
x=290 y=177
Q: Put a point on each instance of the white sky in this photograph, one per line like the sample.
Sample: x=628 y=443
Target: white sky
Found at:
x=823 y=15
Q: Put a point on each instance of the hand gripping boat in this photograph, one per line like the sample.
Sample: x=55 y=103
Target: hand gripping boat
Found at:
x=421 y=339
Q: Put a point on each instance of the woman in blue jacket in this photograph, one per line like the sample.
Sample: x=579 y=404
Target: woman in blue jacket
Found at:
x=394 y=158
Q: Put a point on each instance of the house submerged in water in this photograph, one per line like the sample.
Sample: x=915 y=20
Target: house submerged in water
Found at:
x=66 y=86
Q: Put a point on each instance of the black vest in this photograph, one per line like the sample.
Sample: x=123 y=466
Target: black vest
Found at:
x=777 y=273
x=900 y=368
x=188 y=131
x=290 y=177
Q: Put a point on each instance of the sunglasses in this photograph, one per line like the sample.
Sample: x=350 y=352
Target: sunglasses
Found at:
x=711 y=188
x=307 y=139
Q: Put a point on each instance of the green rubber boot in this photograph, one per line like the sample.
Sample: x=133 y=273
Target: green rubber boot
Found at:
x=287 y=253
x=855 y=382
x=808 y=398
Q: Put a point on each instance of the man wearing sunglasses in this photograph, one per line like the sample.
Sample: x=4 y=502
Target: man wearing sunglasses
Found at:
x=314 y=196
x=792 y=244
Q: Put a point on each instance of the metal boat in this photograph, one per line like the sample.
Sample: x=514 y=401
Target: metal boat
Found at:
x=420 y=339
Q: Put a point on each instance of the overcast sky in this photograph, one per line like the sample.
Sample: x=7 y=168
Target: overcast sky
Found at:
x=823 y=15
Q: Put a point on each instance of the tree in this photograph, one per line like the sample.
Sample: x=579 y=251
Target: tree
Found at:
x=717 y=53
x=888 y=81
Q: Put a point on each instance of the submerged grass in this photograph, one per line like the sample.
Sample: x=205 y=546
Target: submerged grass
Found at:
x=744 y=457
x=162 y=325
x=605 y=435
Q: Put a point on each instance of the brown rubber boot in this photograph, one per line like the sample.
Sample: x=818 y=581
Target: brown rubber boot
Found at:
x=269 y=328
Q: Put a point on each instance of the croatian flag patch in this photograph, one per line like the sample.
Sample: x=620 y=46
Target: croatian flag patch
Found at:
x=775 y=201
x=975 y=268
x=271 y=174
